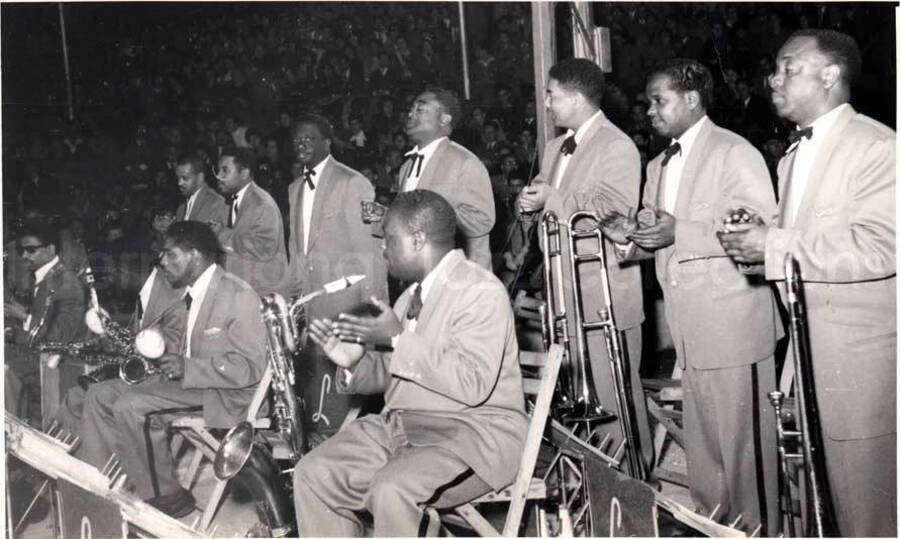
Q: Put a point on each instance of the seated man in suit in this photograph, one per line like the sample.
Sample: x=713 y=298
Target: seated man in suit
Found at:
x=252 y=234
x=56 y=313
x=453 y=390
x=216 y=368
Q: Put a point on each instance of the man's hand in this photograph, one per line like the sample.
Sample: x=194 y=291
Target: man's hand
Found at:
x=378 y=330
x=660 y=235
x=14 y=309
x=343 y=354
x=533 y=197
x=617 y=227
x=745 y=243
x=371 y=211
x=172 y=366
x=216 y=226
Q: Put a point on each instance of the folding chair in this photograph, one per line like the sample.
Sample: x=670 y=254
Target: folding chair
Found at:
x=195 y=430
x=526 y=487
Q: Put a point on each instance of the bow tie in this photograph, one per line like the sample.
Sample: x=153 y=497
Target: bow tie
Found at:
x=799 y=134
x=308 y=174
x=415 y=303
x=417 y=160
x=568 y=145
x=670 y=151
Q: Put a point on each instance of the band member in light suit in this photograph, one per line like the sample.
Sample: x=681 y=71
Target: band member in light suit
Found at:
x=453 y=390
x=201 y=203
x=215 y=371
x=440 y=165
x=328 y=241
x=594 y=166
x=724 y=325
x=837 y=216
x=252 y=234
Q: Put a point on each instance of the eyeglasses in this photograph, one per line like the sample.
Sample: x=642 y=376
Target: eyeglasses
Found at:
x=30 y=249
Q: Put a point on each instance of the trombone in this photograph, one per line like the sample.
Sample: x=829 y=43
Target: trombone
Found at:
x=580 y=396
x=820 y=516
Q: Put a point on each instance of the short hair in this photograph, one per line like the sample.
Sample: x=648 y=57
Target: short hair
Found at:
x=839 y=48
x=194 y=160
x=581 y=75
x=425 y=211
x=449 y=102
x=322 y=124
x=189 y=235
x=42 y=230
x=687 y=75
x=243 y=158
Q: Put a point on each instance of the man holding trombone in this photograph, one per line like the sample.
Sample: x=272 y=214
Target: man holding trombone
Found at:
x=837 y=217
x=594 y=163
x=724 y=326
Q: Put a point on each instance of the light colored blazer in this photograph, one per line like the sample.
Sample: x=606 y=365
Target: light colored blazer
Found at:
x=458 y=175
x=254 y=248
x=718 y=316
x=456 y=378
x=340 y=244
x=844 y=239
x=606 y=166
x=209 y=206
x=228 y=350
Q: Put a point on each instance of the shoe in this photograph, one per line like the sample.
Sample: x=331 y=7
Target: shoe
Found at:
x=176 y=505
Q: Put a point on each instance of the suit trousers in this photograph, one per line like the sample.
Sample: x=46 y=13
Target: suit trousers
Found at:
x=603 y=383
x=370 y=465
x=862 y=475
x=131 y=422
x=729 y=437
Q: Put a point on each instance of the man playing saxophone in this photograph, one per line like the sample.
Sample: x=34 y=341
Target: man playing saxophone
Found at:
x=56 y=313
x=215 y=369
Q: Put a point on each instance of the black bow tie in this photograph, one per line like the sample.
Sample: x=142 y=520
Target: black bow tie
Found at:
x=415 y=303
x=799 y=134
x=417 y=160
x=308 y=174
x=568 y=145
x=670 y=151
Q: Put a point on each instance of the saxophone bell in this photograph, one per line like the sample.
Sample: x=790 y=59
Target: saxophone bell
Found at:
x=150 y=346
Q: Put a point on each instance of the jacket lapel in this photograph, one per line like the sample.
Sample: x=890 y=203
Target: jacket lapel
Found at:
x=689 y=172
x=438 y=289
x=320 y=204
x=202 y=320
x=295 y=201
x=425 y=181
x=249 y=200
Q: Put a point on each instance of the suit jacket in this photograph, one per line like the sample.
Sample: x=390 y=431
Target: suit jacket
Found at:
x=209 y=206
x=458 y=175
x=605 y=165
x=228 y=350
x=455 y=380
x=254 y=248
x=844 y=239
x=718 y=316
x=59 y=301
x=340 y=243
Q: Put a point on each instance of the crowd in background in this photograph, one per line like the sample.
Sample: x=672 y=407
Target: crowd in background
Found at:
x=239 y=75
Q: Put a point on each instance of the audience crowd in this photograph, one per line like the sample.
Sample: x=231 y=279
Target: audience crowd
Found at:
x=239 y=75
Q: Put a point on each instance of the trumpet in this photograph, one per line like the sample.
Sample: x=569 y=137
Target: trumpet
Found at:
x=819 y=511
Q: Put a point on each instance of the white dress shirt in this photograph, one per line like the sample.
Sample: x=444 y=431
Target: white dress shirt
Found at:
x=309 y=198
x=39 y=275
x=563 y=162
x=190 y=204
x=236 y=208
x=806 y=154
x=412 y=181
x=675 y=167
x=144 y=294
x=198 y=293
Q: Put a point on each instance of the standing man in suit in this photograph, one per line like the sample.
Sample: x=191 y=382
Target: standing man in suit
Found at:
x=216 y=369
x=594 y=161
x=56 y=313
x=453 y=390
x=837 y=217
x=724 y=326
x=201 y=202
x=252 y=234
x=440 y=165
x=328 y=241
